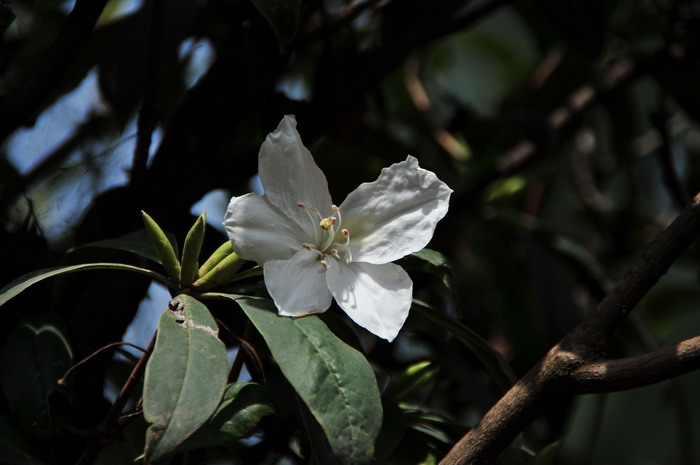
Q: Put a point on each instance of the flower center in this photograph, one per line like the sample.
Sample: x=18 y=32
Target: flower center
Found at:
x=324 y=240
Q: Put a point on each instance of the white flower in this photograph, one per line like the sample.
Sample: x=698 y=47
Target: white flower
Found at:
x=312 y=251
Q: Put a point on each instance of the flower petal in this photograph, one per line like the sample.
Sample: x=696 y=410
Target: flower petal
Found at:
x=298 y=285
x=290 y=176
x=396 y=214
x=376 y=297
x=259 y=231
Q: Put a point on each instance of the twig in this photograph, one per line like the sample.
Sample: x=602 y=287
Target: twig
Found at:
x=111 y=421
x=574 y=365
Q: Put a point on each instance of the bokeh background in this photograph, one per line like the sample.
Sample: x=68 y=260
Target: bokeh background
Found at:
x=567 y=129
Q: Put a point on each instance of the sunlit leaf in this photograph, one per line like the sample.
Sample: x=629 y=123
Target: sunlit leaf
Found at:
x=412 y=380
x=334 y=380
x=185 y=376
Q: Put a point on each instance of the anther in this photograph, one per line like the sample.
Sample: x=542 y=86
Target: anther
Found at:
x=325 y=263
x=307 y=246
x=335 y=208
x=301 y=205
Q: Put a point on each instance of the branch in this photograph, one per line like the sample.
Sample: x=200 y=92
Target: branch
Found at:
x=637 y=371
x=574 y=359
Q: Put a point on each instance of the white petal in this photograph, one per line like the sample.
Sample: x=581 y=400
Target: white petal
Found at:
x=376 y=297
x=290 y=176
x=259 y=231
x=298 y=285
x=396 y=214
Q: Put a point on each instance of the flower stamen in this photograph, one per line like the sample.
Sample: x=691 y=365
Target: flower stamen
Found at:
x=313 y=221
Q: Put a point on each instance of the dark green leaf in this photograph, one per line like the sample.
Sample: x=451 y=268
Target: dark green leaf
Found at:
x=334 y=380
x=500 y=371
x=23 y=282
x=238 y=415
x=185 y=376
x=434 y=262
x=33 y=359
x=136 y=242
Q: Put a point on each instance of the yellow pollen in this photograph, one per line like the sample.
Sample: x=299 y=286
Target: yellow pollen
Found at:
x=326 y=223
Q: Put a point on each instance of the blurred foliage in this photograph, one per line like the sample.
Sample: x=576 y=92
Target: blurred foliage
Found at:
x=567 y=129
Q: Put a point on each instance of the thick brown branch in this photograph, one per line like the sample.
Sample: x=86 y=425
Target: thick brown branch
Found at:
x=637 y=371
x=550 y=379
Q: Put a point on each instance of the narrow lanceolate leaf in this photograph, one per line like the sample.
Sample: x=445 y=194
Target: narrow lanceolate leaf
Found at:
x=334 y=380
x=137 y=242
x=238 y=416
x=191 y=249
x=164 y=249
x=412 y=380
x=219 y=254
x=185 y=376
x=498 y=369
x=23 y=282
x=33 y=359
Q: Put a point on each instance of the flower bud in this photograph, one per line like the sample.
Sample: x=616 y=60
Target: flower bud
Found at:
x=222 y=273
x=164 y=249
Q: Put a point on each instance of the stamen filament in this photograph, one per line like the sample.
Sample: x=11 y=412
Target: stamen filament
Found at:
x=313 y=222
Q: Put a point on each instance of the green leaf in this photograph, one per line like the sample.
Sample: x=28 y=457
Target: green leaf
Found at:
x=32 y=361
x=412 y=380
x=219 y=254
x=162 y=246
x=185 y=376
x=137 y=242
x=243 y=406
x=283 y=17
x=433 y=262
x=23 y=282
x=191 y=249
x=334 y=380
x=499 y=370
